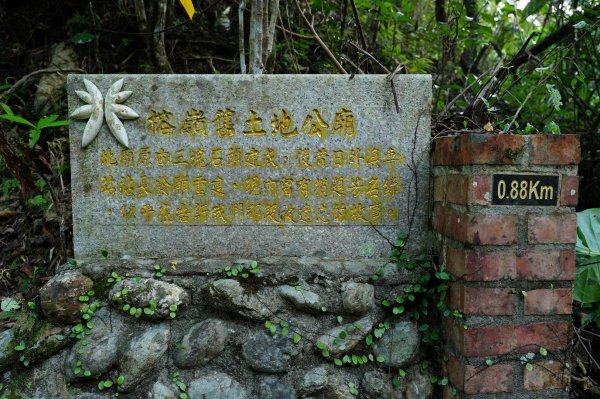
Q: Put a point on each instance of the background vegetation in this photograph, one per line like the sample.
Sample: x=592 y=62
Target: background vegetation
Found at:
x=498 y=66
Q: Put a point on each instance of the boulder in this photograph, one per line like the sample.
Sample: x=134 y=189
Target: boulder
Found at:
x=270 y=353
x=201 y=344
x=353 y=334
x=216 y=386
x=141 y=358
x=357 y=298
x=140 y=293
x=230 y=296
x=59 y=297
x=301 y=299
x=399 y=345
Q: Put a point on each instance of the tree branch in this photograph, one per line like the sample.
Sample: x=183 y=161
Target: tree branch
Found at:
x=310 y=26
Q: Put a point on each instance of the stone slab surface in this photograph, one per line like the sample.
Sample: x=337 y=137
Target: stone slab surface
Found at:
x=293 y=165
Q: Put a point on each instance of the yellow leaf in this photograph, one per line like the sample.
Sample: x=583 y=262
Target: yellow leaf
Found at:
x=189 y=7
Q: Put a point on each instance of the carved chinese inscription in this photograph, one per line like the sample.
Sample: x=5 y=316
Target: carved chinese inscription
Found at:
x=310 y=183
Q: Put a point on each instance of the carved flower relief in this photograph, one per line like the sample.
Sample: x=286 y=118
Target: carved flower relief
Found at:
x=98 y=109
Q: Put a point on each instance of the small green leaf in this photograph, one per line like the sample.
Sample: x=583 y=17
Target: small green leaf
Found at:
x=321 y=345
x=297 y=338
x=87 y=373
x=173 y=308
x=337 y=362
x=489 y=362
x=398 y=309
x=402 y=373
x=108 y=383
x=543 y=351
x=380 y=358
x=82 y=38
x=172 y=315
x=340 y=319
x=529 y=366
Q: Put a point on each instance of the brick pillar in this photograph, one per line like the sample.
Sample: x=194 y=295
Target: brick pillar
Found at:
x=512 y=264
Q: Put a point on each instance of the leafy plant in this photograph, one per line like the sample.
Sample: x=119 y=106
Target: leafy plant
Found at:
x=159 y=271
x=242 y=270
x=180 y=385
x=586 y=290
x=35 y=128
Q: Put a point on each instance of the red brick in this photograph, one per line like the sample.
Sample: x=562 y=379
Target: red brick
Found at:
x=439 y=188
x=548 y=374
x=438 y=219
x=462 y=189
x=475 y=229
x=555 y=150
x=552 y=336
x=457 y=190
x=449 y=151
x=558 y=228
x=546 y=265
x=481 y=301
x=481 y=341
x=504 y=339
x=478 y=149
x=491 y=230
x=549 y=301
x=480 y=192
x=489 y=340
x=472 y=265
x=569 y=190
x=482 y=379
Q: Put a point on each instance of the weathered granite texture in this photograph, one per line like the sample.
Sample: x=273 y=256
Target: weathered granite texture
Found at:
x=251 y=165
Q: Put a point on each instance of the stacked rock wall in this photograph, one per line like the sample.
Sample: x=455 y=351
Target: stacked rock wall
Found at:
x=224 y=333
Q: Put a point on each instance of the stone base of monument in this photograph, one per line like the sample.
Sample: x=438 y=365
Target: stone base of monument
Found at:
x=226 y=328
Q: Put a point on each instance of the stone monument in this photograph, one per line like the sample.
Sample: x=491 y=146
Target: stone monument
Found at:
x=211 y=165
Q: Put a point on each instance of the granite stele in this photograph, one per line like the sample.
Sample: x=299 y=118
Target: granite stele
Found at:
x=195 y=165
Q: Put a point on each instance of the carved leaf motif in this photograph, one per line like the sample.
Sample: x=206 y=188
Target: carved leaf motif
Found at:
x=92 y=128
x=99 y=109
